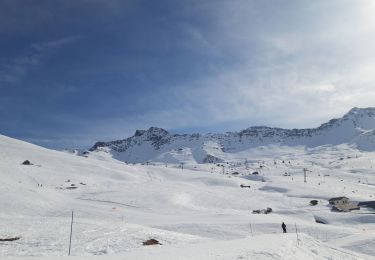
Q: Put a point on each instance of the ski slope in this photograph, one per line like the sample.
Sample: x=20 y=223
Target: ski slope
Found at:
x=199 y=212
x=283 y=247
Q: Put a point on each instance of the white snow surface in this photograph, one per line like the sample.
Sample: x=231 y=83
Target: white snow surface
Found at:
x=198 y=212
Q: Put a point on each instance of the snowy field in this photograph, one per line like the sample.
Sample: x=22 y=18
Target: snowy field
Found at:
x=199 y=212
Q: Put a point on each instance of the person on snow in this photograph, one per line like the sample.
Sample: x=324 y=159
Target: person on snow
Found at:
x=284 y=227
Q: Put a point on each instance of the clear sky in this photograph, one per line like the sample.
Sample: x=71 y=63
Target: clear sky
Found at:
x=76 y=72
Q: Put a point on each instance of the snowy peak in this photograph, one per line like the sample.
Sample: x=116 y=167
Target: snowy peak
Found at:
x=369 y=111
x=355 y=128
x=357 y=117
x=152 y=132
x=157 y=137
x=363 y=118
x=154 y=135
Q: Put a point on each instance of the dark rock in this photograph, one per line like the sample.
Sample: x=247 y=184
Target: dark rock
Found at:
x=320 y=220
x=97 y=145
x=211 y=159
x=151 y=242
x=27 y=162
x=139 y=132
x=9 y=239
x=262 y=211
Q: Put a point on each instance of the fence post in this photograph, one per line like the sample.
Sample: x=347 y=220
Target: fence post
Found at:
x=71 y=232
x=296 y=233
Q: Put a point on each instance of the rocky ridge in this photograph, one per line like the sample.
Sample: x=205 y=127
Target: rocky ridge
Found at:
x=357 y=127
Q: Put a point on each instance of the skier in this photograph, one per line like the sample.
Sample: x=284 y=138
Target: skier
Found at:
x=284 y=227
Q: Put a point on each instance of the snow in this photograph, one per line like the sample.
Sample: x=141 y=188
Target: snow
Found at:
x=199 y=212
x=355 y=128
x=283 y=247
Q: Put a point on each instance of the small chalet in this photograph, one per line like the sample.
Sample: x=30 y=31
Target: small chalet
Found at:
x=342 y=204
x=338 y=201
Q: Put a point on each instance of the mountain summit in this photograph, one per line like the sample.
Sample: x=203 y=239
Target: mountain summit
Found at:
x=355 y=128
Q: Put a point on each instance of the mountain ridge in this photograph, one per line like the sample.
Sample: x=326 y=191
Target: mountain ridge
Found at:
x=356 y=127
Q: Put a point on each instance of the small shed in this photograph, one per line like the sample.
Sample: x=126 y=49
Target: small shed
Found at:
x=338 y=201
x=342 y=204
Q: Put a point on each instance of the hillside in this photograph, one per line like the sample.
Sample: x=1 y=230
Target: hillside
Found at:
x=356 y=128
x=200 y=212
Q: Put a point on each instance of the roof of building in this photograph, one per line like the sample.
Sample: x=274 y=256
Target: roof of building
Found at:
x=338 y=198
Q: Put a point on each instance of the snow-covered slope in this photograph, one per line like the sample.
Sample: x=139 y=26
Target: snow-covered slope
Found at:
x=200 y=212
x=258 y=248
x=356 y=128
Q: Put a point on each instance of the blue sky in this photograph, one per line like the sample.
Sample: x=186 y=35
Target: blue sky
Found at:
x=76 y=72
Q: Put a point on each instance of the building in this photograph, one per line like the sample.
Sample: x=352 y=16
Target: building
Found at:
x=342 y=204
x=338 y=201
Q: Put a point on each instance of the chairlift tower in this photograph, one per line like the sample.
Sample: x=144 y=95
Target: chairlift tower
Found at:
x=305 y=170
x=246 y=164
